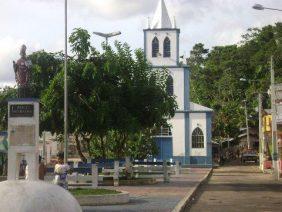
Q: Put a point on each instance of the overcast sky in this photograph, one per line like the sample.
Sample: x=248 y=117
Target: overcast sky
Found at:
x=40 y=23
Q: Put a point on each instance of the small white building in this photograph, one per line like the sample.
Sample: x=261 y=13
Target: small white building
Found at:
x=189 y=139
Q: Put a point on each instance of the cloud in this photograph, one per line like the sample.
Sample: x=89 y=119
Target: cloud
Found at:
x=121 y=9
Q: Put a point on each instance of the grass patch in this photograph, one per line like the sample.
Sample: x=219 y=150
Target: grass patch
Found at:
x=88 y=191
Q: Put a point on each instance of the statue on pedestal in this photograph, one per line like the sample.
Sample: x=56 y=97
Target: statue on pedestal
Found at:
x=22 y=74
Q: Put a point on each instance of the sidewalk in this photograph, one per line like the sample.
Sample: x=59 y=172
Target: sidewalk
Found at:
x=158 y=197
x=239 y=188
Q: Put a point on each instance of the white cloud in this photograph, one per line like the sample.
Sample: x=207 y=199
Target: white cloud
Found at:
x=120 y=9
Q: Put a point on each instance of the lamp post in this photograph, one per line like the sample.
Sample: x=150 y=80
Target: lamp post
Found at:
x=66 y=87
x=261 y=7
x=107 y=35
x=273 y=108
x=274 y=124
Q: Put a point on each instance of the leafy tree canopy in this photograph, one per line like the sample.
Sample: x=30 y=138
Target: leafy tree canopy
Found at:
x=221 y=78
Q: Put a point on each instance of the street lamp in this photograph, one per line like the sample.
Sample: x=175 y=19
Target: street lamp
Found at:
x=273 y=108
x=107 y=35
x=66 y=87
x=261 y=7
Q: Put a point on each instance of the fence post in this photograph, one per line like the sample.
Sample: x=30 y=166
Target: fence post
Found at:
x=165 y=170
x=116 y=173
x=95 y=176
x=128 y=167
x=177 y=168
x=75 y=165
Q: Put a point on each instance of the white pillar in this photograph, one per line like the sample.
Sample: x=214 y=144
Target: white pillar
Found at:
x=177 y=168
x=32 y=160
x=95 y=176
x=48 y=154
x=165 y=170
x=116 y=173
x=14 y=167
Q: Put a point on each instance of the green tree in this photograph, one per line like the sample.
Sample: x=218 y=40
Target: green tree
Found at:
x=216 y=74
x=5 y=94
x=114 y=96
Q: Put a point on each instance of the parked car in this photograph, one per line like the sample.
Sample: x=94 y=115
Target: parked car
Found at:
x=249 y=156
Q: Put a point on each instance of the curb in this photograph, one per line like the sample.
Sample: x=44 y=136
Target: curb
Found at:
x=188 y=197
x=98 y=200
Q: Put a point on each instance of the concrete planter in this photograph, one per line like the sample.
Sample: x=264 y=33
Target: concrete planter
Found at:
x=110 y=199
x=136 y=182
x=132 y=182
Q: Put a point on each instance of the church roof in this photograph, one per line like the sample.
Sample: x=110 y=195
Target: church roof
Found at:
x=196 y=107
x=162 y=19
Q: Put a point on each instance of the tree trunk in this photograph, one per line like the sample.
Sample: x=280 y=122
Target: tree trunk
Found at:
x=78 y=148
x=103 y=147
x=88 y=146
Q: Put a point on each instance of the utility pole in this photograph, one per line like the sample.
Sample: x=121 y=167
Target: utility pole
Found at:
x=247 y=125
x=261 y=142
x=66 y=136
x=274 y=124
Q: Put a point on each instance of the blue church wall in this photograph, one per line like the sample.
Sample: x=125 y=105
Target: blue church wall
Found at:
x=201 y=161
x=164 y=145
x=209 y=136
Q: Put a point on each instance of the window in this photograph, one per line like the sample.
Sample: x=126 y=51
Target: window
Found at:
x=155 y=47
x=169 y=85
x=163 y=131
x=197 y=138
x=166 y=47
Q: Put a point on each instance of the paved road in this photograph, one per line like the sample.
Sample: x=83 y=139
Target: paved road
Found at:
x=158 y=197
x=239 y=188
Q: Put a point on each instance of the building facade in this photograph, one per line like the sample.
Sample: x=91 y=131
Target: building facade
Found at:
x=189 y=137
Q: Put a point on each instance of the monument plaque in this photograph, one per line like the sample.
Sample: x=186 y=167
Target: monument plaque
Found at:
x=21 y=111
x=22 y=135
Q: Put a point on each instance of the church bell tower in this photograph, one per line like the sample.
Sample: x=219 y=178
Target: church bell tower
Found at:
x=162 y=39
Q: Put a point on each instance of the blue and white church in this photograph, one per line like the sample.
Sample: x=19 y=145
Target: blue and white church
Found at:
x=188 y=139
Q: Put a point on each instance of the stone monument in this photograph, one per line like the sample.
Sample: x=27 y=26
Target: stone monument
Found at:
x=23 y=136
x=31 y=195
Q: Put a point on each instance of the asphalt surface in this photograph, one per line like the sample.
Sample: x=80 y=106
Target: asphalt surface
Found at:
x=238 y=188
x=159 y=197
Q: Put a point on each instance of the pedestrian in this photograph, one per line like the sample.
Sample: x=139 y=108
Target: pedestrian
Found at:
x=61 y=171
x=42 y=169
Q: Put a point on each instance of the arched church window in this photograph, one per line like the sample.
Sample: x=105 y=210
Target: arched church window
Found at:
x=155 y=47
x=166 y=47
x=169 y=86
x=197 y=138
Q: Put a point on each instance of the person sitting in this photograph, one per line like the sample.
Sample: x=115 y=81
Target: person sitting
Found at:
x=61 y=171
